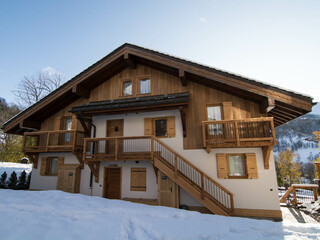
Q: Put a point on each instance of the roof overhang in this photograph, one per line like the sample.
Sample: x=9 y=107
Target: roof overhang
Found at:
x=288 y=104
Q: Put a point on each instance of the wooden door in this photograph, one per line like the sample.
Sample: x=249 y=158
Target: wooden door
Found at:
x=114 y=129
x=112 y=183
x=167 y=191
x=69 y=179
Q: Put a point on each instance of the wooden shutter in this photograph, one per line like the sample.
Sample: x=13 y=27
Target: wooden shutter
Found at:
x=148 y=126
x=222 y=165
x=43 y=167
x=252 y=169
x=227 y=110
x=171 y=130
x=138 y=179
x=74 y=123
x=57 y=123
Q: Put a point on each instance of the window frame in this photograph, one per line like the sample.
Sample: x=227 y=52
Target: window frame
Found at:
x=141 y=78
x=154 y=126
x=244 y=164
x=215 y=105
x=122 y=81
x=48 y=171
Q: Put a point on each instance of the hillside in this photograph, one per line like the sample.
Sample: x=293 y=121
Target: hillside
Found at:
x=298 y=135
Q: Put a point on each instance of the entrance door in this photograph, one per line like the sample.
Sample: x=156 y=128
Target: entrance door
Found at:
x=167 y=191
x=114 y=129
x=112 y=183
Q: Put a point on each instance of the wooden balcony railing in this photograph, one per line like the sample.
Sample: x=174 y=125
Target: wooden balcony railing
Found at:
x=53 y=141
x=250 y=132
x=218 y=199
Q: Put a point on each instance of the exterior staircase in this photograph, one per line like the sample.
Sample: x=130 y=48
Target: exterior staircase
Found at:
x=194 y=181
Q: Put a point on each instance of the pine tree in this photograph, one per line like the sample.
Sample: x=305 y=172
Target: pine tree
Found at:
x=22 y=179
x=287 y=168
x=28 y=180
x=13 y=180
x=3 y=180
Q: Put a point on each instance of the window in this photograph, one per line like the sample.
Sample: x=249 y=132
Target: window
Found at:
x=145 y=86
x=67 y=126
x=50 y=165
x=126 y=87
x=138 y=179
x=160 y=127
x=214 y=114
x=237 y=165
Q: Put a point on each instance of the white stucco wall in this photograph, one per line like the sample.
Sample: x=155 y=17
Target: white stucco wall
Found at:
x=258 y=193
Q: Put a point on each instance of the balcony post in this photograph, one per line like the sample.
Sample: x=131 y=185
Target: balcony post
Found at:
x=74 y=140
x=152 y=150
x=204 y=139
x=116 y=146
x=47 y=143
x=273 y=132
x=237 y=132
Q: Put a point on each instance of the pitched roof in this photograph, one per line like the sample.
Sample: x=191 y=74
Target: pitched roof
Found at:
x=295 y=103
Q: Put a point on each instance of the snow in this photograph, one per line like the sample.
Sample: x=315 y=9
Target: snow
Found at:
x=9 y=167
x=59 y=215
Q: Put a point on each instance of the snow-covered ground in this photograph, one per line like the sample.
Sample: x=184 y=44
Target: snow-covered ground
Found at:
x=9 y=167
x=58 y=215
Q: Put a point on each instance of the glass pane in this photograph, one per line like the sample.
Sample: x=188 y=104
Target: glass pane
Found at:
x=161 y=127
x=67 y=136
x=236 y=166
x=214 y=114
x=127 y=88
x=144 y=86
x=54 y=164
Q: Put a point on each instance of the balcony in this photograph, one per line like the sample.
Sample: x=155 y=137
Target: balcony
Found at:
x=117 y=149
x=250 y=132
x=53 y=141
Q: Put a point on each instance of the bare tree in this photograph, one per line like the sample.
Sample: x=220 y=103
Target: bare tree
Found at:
x=33 y=88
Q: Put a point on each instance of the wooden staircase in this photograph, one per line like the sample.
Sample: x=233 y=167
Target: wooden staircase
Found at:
x=194 y=181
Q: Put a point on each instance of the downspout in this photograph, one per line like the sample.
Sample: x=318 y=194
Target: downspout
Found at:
x=93 y=146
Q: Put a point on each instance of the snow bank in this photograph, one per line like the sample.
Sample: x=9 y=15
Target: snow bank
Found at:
x=58 y=215
x=17 y=167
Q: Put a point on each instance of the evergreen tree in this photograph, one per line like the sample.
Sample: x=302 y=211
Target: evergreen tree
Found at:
x=28 y=180
x=3 y=180
x=22 y=179
x=13 y=180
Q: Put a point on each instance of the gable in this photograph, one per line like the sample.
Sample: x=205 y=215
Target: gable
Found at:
x=281 y=104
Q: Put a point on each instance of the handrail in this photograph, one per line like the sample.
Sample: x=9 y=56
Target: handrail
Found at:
x=52 y=132
x=180 y=165
x=239 y=132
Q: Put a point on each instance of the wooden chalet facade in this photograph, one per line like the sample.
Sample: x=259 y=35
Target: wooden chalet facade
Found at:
x=147 y=127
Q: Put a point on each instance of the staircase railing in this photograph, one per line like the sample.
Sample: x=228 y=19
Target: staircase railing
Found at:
x=197 y=178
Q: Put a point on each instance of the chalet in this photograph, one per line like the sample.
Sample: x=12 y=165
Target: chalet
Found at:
x=148 y=127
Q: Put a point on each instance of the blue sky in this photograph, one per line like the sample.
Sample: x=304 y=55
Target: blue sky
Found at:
x=277 y=42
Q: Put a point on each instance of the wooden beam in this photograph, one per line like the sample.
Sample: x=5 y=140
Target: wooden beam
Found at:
x=128 y=58
x=84 y=125
x=34 y=159
x=30 y=124
x=290 y=115
x=290 y=110
x=282 y=118
x=94 y=167
x=183 y=121
x=81 y=91
x=182 y=76
x=266 y=152
x=267 y=105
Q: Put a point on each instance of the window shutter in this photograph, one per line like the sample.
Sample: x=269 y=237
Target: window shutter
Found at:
x=60 y=163
x=138 y=179
x=222 y=165
x=43 y=167
x=148 y=126
x=252 y=165
x=227 y=110
x=74 y=124
x=57 y=123
x=171 y=131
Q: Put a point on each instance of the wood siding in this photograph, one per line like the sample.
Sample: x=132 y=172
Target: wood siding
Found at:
x=164 y=83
